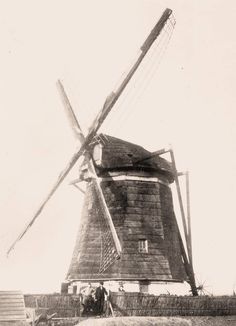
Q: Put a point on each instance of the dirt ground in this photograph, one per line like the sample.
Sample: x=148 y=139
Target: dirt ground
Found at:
x=161 y=321
x=213 y=321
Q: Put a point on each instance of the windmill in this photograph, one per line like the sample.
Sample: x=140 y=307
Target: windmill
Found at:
x=129 y=230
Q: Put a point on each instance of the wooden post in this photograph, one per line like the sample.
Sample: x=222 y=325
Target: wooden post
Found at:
x=189 y=217
x=186 y=174
x=187 y=265
x=180 y=200
x=111 y=308
x=188 y=269
x=187 y=258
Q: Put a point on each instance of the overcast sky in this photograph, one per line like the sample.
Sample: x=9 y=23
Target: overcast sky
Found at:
x=187 y=100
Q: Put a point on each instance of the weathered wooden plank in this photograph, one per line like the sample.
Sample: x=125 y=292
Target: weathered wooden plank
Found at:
x=138 y=210
x=134 y=226
x=10 y=293
x=12 y=318
x=11 y=308
x=143 y=204
x=126 y=264
x=152 y=252
x=143 y=197
x=117 y=202
x=152 y=227
x=5 y=297
x=144 y=191
x=12 y=313
x=139 y=258
x=131 y=216
x=160 y=268
x=13 y=303
x=138 y=226
x=148 y=234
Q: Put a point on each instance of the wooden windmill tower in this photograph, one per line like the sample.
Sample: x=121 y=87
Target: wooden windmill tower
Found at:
x=128 y=229
x=137 y=192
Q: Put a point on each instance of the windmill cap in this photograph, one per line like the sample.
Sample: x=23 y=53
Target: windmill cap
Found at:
x=112 y=153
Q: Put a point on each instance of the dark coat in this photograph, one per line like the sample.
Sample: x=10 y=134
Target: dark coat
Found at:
x=100 y=293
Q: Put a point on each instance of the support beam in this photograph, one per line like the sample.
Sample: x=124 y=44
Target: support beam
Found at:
x=186 y=175
x=77 y=187
x=187 y=257
x=189 y=218
x=188 y=267
x=154 y=154
x=180 y=200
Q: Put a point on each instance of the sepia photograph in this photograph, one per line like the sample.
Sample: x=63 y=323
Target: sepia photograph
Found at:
x=118 y=162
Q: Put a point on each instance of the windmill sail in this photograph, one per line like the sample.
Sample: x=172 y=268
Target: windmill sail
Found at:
x=110 y=244
x=109 y=252
x=101 y=117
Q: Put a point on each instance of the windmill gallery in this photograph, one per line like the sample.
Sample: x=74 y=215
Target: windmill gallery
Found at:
x=128 y=233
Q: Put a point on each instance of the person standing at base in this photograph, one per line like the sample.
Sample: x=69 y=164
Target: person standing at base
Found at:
x=100 y=298
x=87 y=298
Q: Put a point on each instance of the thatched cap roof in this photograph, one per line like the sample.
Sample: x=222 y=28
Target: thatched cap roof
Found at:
x=118 y=154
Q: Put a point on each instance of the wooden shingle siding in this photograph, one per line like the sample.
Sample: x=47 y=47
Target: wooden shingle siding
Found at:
x=12 y=306
x=136 y=223
x=140 y=210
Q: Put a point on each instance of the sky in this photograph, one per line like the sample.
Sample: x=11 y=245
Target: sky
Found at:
x=186 y=98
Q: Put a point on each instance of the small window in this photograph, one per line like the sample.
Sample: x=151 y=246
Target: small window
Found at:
x=143 y=246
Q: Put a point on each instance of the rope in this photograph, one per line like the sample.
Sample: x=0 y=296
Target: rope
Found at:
x=142 y=79
x=133 y=87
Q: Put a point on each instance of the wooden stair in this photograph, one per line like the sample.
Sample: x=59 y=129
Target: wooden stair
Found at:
x=12 y=308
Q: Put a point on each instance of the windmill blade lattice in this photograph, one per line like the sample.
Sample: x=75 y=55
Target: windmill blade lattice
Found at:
x=110 y=244
x=109 y=253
